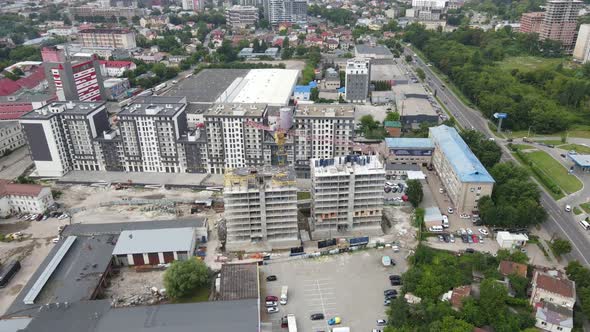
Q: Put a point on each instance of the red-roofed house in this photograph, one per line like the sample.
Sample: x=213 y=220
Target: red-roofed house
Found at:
x=23 y=198
x=553 y=287
x=459 y=293
x=115 y=68
x=507 y=268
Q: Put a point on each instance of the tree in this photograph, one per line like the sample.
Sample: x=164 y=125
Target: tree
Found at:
x=561 y=246
x=408 y=58
x=392 y=116
x=451 y=324
x=315 y=94
x=519 y=285
x=414 y=192
x=420 y=74
x=184 y=278
x=493 y=298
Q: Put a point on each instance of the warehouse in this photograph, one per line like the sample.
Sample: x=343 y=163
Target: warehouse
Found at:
x=154 y=246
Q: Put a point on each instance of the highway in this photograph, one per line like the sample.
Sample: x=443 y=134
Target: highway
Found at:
x=559 y=223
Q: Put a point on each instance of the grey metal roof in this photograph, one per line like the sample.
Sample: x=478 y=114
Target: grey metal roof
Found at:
x=207 y=85
x=98 y=316
x=155 y=240
x=239 y=281
x=117 y=228
x=363 y=49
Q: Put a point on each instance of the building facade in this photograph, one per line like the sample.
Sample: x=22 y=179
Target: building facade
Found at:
x=561 y=21
x=358 y=78
x=280 y=11
x=347 y=196
x=23 y=198
x=462 y=174
x=260 y=206
x=531 y=22
x=117 y=38
x=193 y=5
x=11 y=136
x=553 y=287
x=582 y=49
x=241 y=16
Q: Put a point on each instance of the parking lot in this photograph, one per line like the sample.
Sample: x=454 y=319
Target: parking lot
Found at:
x=348 y=285
x=395 y=192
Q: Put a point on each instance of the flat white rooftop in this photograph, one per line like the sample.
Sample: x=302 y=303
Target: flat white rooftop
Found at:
x=266 y=86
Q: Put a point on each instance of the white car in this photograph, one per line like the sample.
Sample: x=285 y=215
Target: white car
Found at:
x=450 y=210
x=469 y=231
x=272 y=310
x=381 y=322
x=55 y=240
x=483 y=231
x=441 y=190
x=464 y=216
x=463 y=231
x=568 y=208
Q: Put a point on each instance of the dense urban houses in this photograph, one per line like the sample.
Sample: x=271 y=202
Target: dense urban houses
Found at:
x=23 y=198
x=358 y=78
x=261 y=207
x=347 y=196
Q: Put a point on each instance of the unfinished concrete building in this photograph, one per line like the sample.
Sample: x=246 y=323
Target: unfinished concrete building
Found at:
x=347 y=196
x=260 y=208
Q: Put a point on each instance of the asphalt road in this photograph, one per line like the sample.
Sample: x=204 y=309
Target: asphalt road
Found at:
x=559 y=223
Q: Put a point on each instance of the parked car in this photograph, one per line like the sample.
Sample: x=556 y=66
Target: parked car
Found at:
x=562 y=155
x=469 y=231
x=271 y=278
x=464 y=216
x=483 y=231
x=395 y=282
x=271 y=298
x=318 y=316
x=334 y=320
x=272 y=310
x=269 y=304
x=389 y=291
x=55 y=240
x=386 y=302
x=475 y=238
x=381 y=322
x=452 y=238
x=470 y=250
x=480 y=238
x=395 y=277
x=568 y=208
x=441 y=238
x=450 y=210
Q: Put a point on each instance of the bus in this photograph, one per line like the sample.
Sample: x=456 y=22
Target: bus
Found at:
x=291 y=323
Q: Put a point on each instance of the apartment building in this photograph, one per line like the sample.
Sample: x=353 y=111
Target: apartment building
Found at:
x=93 y=11
x=462 y=174
x=260 y=208
x=531 y=22
x=241 y=16
x=582 y=49
x=358 y=78
x=322 y=131
x=232 y=143
x=347 y=196
x=11 y=136
x=18 y=198
x=61 y=136
x=279 y=11
x=117 y=38
x=193 y=5
x=561 y=21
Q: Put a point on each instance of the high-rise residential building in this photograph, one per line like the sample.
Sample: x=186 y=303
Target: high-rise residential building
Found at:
x=560 y=22
x=582 y=49
x=278 y=11
x=241 y=16
x=322 y=131
x=261 y=207
x=73 y=79
x=255 y=3
x=61 y=135
x=232 y=143
x=116 y=38
x=358 y=78
x=193 y=5
x=347 y=196
x=531 y=22
x=465 y=179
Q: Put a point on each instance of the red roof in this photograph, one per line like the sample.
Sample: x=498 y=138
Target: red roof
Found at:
x=118 y=63
x=8 y=87
x=7 y=188
x=507 y=268
x=459 y=293
x=561 y=286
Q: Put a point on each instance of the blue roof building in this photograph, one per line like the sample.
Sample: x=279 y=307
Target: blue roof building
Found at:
x=303 y=92
x=461 y=173
x=582 y=161
x=409 y=143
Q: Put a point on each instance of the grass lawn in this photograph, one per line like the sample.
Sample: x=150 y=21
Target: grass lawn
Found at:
x=528 y=62
x=550 y=141
x=201 y=295
x=581 y=149
x=585 y=207
x=523 y=146
x=556 y=171
x=577 y=211
x=551 y=193
x=581 y=131
x=303 y=195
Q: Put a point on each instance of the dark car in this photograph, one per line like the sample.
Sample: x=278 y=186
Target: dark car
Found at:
x=271 y=278
x=271 y=298
x=318 y=316
x=469 y=250
x=562 y=155
x=395 y=282
x=389 y=291
x=446 y=238
x=395 y=277
x=390 y=297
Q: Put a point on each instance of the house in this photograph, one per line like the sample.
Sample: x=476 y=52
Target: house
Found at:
x=154 y=246
x=332 y=43
x=554 y=318
x=457 y=296
x=115 y=68
x=552 y=287
x=23 y=198
x=393 y=128
x=508 y=240
x=154 y=21
x=507 y=268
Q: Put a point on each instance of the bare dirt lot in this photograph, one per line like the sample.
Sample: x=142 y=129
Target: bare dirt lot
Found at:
x=129 y=287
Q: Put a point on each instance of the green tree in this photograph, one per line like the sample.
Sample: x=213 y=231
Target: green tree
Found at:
x=392 y=116
x=315 y=94
x=414 y=192
x=519 y=285
x=451 y=324
x=493 y=298
x=561 y=246
x=183 y=278
x=421 y=74
x=408 y=58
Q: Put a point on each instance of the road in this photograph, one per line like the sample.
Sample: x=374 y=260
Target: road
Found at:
x=559 y=223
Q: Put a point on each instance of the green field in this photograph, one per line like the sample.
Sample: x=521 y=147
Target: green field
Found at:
x=576 y=147
x=585 y=207
x=581 y=131
x=523 y=146
x=556 y=171
x=550 y=141
x=577 y=210
x=528 y=62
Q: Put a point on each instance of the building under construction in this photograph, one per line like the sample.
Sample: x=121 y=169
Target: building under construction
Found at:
x=347 y=196
x=260 y=208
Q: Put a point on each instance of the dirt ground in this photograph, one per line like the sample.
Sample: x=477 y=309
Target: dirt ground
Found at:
x=402 y=230
x=129 y=287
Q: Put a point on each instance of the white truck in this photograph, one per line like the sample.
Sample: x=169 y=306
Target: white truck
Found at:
x=284 y=296
x=291 y=323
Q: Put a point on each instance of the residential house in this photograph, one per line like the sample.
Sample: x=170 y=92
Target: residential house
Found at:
x=507 y=268
x=332 y=43
x=23 y=198
x=552 y=287
x=554 y=318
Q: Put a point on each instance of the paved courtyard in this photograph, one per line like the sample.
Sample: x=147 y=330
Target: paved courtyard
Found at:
x=349 y=286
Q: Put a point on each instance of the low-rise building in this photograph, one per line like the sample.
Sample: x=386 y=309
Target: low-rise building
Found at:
x=332 y=79
x=117 y=38
x=554 y=318
x=303 y=92
x=11 y=137
x=23 y=198
x=413 y=151
x=552 y=287
x=508 y=240
x=115 y=68
x=372 y=52
x=507 y=268
x=393 y=128
x=116 y=88
x=154 y=246
x=462 y=174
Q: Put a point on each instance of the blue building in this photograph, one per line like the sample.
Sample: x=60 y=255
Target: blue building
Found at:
x=303 y=92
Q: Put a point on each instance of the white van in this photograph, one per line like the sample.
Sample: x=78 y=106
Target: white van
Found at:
x=445 y=222
x=584 y=224
x=435 y=229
